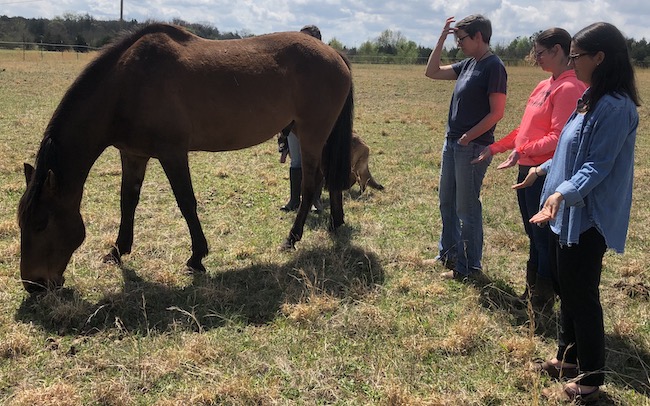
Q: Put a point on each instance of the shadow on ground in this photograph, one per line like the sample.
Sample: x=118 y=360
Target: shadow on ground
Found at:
x=250 y=295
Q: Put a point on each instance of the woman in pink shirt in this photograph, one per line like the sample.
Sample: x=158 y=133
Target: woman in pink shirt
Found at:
x=532 y=143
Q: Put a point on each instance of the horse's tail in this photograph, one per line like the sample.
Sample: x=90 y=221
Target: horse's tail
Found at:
x=336 y=155
x=374 y=184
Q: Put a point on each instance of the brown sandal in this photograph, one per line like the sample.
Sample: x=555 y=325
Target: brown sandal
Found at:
x=580 y=398
x=556 y=372
x=566 y=394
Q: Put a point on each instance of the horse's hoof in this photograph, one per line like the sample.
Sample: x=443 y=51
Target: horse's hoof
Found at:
x=112 y=258
x=333 y=227
x=288 y=245
x=194 y=268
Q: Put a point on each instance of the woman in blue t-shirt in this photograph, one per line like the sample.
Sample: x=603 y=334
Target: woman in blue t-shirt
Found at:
x=477 y=104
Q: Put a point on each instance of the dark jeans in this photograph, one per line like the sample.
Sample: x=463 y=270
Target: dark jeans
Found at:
x=538 y=237
x=576 y=271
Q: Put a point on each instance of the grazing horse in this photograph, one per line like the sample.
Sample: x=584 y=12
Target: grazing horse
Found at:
x=161 y=92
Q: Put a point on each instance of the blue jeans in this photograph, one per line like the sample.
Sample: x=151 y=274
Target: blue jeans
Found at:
x=294 y=151
x=529 y=205
x=461 y=240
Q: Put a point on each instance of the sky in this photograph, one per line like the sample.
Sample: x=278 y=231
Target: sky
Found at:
x=353 y=22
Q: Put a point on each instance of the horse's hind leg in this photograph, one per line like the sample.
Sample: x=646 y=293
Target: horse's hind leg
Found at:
x=178 y=172
x=133 y=170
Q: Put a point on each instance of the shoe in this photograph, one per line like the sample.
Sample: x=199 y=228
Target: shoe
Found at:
x=451 y=275
x=556 y=372
x=476 y=276
x=579 y=397
x=446 y=262
x=290 y=207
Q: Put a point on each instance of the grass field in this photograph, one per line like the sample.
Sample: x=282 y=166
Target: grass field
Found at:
x=351 y=319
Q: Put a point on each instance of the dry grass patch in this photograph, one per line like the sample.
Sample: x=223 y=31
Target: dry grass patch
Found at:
x=467 y=334
x=311 y=309
x=16 y=342
x=518 y=349
x=56 y=394
x=115 y=392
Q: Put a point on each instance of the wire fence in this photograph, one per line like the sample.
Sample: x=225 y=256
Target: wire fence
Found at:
x=45 y=48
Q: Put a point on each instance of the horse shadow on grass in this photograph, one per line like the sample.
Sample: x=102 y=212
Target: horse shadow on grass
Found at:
x=252 y=295
x=627 y=362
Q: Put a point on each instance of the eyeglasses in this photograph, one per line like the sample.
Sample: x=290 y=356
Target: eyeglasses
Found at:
x=573 y=57
x=540 y=53
x=460 y=40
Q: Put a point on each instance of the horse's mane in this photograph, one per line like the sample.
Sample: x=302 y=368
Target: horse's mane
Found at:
x=84 y=85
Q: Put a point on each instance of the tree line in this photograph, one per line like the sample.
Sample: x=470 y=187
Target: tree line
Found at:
x=82 y=32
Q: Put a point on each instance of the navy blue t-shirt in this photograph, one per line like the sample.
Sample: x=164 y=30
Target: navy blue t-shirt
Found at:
x=470 y=102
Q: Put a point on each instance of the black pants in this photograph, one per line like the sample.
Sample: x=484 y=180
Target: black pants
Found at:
x=576 y=272
x=528 y=199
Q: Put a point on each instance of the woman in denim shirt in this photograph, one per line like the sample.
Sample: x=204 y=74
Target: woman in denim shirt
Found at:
x=586 y=200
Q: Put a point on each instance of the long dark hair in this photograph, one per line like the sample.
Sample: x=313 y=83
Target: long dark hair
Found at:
x=615 y=74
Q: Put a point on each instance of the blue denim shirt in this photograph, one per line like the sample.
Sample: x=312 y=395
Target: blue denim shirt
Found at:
x=593 y=169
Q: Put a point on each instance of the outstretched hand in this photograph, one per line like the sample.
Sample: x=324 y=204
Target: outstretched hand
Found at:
x=528 y=181
x=485 y=154
x=512 y=160
x=549 y=210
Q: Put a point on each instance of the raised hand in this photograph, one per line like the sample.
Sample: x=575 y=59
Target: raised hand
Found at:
x=447 y=28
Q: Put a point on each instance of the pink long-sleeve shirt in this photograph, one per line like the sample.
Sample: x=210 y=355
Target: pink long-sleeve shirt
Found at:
x=548 y=109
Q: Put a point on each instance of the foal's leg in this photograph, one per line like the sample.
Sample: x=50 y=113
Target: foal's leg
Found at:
x=133 y=170
x=178 y=172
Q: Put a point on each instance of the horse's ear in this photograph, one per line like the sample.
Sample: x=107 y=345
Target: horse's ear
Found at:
x=29 y=172
x=50 y=181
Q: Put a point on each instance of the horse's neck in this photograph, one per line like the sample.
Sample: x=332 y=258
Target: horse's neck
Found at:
x=75 y=159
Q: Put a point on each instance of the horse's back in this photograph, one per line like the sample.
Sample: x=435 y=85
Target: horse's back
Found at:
x=227 y=94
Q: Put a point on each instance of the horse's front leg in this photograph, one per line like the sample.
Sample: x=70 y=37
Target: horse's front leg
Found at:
x=177 y=169
x=133 y=171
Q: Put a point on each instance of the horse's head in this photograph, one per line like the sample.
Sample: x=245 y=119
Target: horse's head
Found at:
x=51 y=229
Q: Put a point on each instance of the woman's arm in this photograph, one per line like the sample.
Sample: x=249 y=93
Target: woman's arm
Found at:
x=434 y=70
x=610 y=133
x=497 y=108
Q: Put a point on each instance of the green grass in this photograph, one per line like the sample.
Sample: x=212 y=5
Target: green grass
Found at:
x=351 y=319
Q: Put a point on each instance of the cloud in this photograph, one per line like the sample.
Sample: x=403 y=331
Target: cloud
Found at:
x=355 y=21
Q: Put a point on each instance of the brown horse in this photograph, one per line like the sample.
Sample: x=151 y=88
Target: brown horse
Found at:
x=162 y=92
